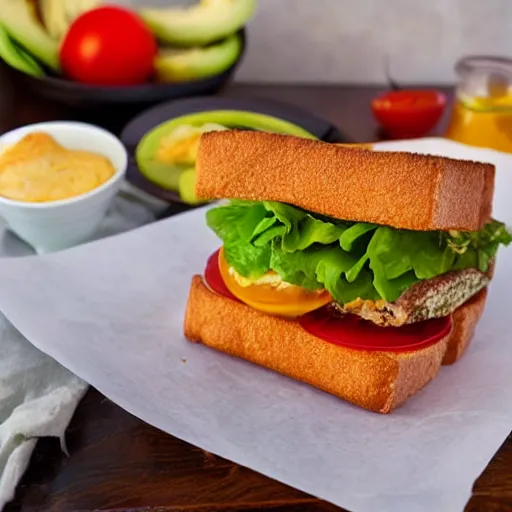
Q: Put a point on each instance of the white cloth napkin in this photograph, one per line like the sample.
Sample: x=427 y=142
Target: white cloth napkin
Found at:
x=37 y=395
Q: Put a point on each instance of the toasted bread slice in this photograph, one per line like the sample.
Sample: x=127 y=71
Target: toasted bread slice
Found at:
x=402 y=190
x=360 y=145
x=430 y=298
x=465 y=319
x=378 y=381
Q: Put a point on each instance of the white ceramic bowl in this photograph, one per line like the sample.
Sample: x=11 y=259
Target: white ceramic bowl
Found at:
x=58 y=225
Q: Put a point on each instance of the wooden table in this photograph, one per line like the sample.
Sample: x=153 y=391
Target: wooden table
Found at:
x=117 y=462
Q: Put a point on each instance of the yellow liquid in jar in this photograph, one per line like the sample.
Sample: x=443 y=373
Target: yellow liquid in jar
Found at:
x=483 y=122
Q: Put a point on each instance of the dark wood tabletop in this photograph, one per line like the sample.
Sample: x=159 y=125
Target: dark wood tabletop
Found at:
x=117 y=462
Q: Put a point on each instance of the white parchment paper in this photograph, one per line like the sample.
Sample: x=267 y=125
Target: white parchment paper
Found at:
x=112 y=312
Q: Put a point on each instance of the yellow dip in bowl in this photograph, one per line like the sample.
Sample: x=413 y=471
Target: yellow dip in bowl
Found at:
x=38 y=169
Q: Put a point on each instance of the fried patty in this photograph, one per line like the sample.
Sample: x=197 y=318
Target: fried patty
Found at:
x=431 y=298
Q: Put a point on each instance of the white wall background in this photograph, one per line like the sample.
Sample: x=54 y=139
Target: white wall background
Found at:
x=347 y=41
x=332 y=41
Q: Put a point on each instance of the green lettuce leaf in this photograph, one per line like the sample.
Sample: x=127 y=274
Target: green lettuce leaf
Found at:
x=467 y=260
x=353 y=233
x=262 y=226
x=431 y=259
x=308 y=232
x=353 y=273
x=301 y=229
x=350 y=259
x=235 y=225
x=322 y=268
x=331 y=270
x=399 y=258
x=269 y=235
x=298 y=267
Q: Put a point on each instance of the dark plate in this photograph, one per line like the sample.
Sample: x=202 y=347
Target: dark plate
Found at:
x=150 y=119
x=80 y=95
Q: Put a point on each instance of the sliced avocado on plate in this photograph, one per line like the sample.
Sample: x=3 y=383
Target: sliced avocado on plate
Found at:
x=168 y=151
x=165 y=155
x=19 y=20
x=182 y=64
x=200 y=24
x=16 y=57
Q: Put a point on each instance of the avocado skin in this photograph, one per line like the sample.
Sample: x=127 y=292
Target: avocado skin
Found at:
x=16 y=57
x=180 y=65
x=200 y=24
x=187 y=191
x=24 y=28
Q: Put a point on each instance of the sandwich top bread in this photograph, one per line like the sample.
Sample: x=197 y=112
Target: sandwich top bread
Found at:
x=401 y=190
x=387 y=253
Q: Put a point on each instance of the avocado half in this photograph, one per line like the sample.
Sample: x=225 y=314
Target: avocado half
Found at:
x=58 y=15
x=173 y=177
x=182 y=64
x=20 y=21
x=17 y=57
x=201 y=24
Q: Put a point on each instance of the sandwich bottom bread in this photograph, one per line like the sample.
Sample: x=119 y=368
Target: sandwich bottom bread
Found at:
x=377 y=381
x=359 y=273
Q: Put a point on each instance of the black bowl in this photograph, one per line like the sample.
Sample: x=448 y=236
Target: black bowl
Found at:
x=80 y=95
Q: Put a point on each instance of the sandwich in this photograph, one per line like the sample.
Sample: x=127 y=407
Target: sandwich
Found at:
x=357 y=272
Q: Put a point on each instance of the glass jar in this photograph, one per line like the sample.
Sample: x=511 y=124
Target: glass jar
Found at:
x=482 y=112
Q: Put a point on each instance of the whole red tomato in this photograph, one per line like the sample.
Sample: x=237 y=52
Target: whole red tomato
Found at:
x=108 y=46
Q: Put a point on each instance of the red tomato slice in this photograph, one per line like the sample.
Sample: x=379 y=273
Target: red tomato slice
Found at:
x=353 y=332
x=214 y=279
x=350 y=330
